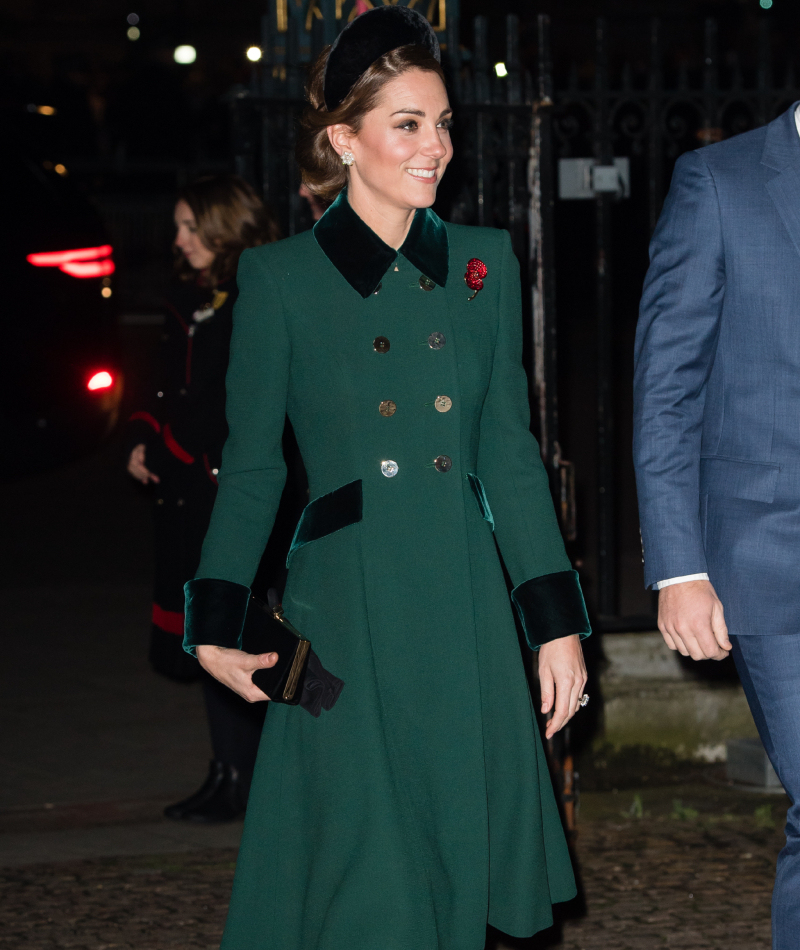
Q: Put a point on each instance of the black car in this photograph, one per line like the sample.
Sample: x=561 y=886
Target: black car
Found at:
x=60 y=380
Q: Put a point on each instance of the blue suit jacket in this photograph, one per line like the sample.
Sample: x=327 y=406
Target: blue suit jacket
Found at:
x=717 y=379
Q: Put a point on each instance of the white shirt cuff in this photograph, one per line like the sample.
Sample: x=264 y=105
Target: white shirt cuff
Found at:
x=679 y=580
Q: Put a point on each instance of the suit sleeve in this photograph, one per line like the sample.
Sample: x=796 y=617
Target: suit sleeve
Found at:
x=676 y=342
x=546 y=592
x=253 y=470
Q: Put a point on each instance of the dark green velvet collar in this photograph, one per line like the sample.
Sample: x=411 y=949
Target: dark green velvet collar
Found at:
x=362 y=258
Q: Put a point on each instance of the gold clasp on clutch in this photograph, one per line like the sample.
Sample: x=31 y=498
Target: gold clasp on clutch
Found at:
x=300 y=655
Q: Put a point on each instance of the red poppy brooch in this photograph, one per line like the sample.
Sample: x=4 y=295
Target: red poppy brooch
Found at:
x=476 y=271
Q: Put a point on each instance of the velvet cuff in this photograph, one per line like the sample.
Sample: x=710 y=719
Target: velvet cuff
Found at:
x=215 y=612
x=551 y=607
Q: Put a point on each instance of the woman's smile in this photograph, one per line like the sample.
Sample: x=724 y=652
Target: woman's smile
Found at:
x=427 y=175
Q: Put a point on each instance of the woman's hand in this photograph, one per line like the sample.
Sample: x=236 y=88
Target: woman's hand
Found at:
x=562 y=678
x=235 y=668
x=138 y=469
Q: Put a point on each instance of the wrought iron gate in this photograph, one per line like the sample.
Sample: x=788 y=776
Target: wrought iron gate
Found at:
x=582 y=262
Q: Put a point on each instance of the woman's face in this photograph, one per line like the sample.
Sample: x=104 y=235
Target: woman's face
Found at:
x=188 y=240
x=403 y=147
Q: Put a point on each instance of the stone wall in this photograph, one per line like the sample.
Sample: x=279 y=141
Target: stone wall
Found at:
x=654 y=697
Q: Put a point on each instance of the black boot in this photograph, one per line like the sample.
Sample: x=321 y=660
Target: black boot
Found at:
x=222 y=797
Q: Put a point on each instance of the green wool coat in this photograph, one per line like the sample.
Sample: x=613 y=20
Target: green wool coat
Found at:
x=420 y=806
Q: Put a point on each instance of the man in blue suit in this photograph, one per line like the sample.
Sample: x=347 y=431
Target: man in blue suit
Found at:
x=717 y=437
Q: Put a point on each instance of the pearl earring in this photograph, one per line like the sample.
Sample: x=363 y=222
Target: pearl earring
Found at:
x=347 y=158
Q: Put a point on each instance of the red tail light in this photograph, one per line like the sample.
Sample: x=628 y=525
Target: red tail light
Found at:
x=88 y=268
x=80 y=262
x=101 y=380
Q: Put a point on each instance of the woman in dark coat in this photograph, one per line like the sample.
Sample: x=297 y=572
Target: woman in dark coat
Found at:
x=176 y=439
x=419 y=807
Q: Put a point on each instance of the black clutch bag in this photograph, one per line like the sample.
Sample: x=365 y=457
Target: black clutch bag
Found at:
x=266 y=630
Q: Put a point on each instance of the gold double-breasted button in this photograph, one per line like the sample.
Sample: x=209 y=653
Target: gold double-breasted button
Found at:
x=443 y=404
x=443 y=463
x=426 y=283
x=436 y=340
x=387 y=408
x=381 y=345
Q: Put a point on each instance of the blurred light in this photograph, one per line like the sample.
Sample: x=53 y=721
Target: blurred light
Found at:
x=60 y=169
x=42 y=110
x=106 y=292
x=81 y=262
x=766 y=4
x=133 y=18
x=101 y=380
x=88 y=268
x=500 y=70
x=254 y=54
x=185 y=55
x=134 y=33
x=57 y=258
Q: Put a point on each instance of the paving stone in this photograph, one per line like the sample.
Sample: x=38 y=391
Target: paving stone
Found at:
x=648 y=883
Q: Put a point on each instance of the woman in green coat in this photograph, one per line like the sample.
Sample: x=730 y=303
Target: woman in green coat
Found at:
x=419 y=807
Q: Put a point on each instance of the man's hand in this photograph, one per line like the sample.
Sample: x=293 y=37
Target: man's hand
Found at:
x=692 y=621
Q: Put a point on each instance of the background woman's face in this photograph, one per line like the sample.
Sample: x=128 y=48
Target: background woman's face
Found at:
x=188 y=240
x=403 y=146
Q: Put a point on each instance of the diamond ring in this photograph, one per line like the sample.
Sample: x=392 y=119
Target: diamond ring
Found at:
x=584 y=700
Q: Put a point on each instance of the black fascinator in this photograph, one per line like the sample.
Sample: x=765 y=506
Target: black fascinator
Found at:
x=366 y=39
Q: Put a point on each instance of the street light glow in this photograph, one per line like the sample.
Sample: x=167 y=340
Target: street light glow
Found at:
x=134 y=33
x=500 y=70
x=765 y=4
x=185 y=55
x=133 y=19
x=254 y=54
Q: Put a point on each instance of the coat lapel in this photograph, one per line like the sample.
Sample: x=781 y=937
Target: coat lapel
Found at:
x=782 y=153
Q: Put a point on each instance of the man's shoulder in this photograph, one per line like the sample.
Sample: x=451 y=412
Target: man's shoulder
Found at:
x=747 y=145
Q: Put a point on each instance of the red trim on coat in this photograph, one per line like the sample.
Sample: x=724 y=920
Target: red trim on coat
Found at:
x=169 y=620
x=176 y=313
x=178 y=451
x=146 y=417
x=209 y=472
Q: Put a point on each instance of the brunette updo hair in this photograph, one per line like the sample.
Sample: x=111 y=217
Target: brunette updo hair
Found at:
x=322 y=170
x=230 y=217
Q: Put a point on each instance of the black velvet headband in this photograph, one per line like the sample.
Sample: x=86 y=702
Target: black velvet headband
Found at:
x=366 y=39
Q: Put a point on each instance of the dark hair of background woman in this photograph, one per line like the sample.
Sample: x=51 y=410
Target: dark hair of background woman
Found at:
x=321 y=168
x=230 y=217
